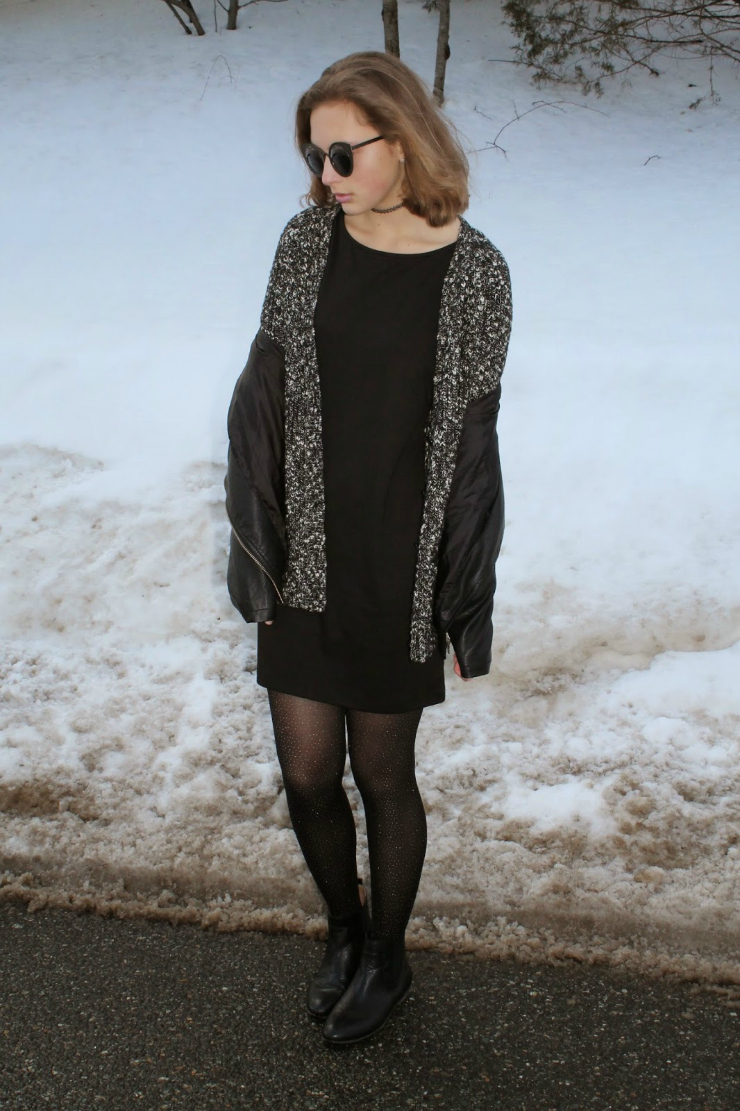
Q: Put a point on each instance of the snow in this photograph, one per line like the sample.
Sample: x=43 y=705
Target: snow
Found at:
x=583 y=799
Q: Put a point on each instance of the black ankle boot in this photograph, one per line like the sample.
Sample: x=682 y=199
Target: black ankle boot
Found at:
x=382 y=981
x=340 y=961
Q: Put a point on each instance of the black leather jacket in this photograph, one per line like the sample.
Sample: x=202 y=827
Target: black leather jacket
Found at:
x=254 y=484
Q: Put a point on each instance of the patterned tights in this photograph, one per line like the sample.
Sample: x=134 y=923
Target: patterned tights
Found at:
x=311 y=749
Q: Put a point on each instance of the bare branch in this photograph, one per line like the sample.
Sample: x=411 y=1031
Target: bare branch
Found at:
x=608 y=38
x=521 y=115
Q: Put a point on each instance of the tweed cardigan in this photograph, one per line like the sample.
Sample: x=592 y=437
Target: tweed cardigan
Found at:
x=472 y=341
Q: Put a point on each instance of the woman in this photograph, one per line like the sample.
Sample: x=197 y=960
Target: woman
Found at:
x=364 y=490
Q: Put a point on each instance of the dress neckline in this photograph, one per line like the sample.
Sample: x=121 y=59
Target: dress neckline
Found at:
x=395 y=254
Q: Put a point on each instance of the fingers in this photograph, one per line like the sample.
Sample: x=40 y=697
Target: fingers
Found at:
x=456 y=669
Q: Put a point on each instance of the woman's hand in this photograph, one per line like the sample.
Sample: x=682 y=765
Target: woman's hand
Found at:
x=457 y=670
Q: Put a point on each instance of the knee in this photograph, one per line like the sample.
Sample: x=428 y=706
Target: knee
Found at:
x=311 y=781
x=375 y=783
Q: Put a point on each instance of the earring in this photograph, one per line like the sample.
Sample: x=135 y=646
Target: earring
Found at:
x=401 y=159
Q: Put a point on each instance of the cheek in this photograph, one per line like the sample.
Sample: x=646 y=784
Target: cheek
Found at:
x=372 y=178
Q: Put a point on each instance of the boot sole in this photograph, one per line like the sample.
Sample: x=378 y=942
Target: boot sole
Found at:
x=362 y=1037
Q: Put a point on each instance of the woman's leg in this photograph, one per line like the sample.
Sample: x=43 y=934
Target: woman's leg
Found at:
x=381 y=752
x=311 y=748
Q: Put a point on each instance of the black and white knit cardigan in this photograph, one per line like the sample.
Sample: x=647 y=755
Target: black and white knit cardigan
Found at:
x=472 y=341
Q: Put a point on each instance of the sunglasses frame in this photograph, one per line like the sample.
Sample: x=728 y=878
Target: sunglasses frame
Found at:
x=339 y=145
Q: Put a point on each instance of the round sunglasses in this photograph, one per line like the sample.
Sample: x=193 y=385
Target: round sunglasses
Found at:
x=340 y=156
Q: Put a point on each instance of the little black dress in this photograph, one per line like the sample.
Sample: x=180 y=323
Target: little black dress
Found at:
x=376 y=323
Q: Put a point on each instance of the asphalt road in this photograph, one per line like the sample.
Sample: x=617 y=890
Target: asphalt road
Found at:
x=133 y=1014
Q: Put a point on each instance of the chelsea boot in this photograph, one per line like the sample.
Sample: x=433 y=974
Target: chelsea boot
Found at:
x=382 y=981
x=341 y=958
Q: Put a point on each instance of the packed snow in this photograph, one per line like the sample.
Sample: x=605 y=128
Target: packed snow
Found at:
x=583 y=800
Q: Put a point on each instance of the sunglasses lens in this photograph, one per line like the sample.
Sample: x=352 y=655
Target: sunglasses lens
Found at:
x=341 y=160
x=314 y=159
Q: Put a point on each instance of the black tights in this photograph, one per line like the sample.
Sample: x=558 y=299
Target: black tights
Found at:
x=311 y=749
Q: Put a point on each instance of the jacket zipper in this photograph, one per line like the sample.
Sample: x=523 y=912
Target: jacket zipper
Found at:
x=260 y=565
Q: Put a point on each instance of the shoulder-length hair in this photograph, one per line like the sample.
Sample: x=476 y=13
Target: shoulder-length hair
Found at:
x=394 y=100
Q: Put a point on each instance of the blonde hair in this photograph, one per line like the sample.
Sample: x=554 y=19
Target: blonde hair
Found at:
x=394 y=100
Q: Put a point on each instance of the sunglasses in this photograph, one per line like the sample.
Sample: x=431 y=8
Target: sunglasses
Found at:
x=340 y=156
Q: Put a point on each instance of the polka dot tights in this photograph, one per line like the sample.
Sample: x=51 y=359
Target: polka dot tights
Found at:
x=312 y=740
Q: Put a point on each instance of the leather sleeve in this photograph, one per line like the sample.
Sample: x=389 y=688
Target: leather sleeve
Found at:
x=254 y=482
x=250 y=590
x=472 y=536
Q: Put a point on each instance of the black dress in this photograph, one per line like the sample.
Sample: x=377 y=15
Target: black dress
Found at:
x=376 y=324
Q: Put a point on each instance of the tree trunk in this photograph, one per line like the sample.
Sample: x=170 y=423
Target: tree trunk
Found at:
x=390 y=27
x=443 y=51
x=190 y=12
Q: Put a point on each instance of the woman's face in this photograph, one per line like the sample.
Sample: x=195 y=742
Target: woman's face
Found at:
x=376 y=174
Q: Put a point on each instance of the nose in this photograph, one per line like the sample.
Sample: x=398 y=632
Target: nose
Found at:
x=329 y=175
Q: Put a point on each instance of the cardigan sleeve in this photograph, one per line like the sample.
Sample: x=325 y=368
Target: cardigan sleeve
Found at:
x=281 y=282
x=488 y=311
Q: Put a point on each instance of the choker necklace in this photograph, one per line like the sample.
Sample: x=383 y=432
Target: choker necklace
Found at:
x=388 y=209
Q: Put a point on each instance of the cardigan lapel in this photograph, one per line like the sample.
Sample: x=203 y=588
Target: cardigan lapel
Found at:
x=287 y=316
